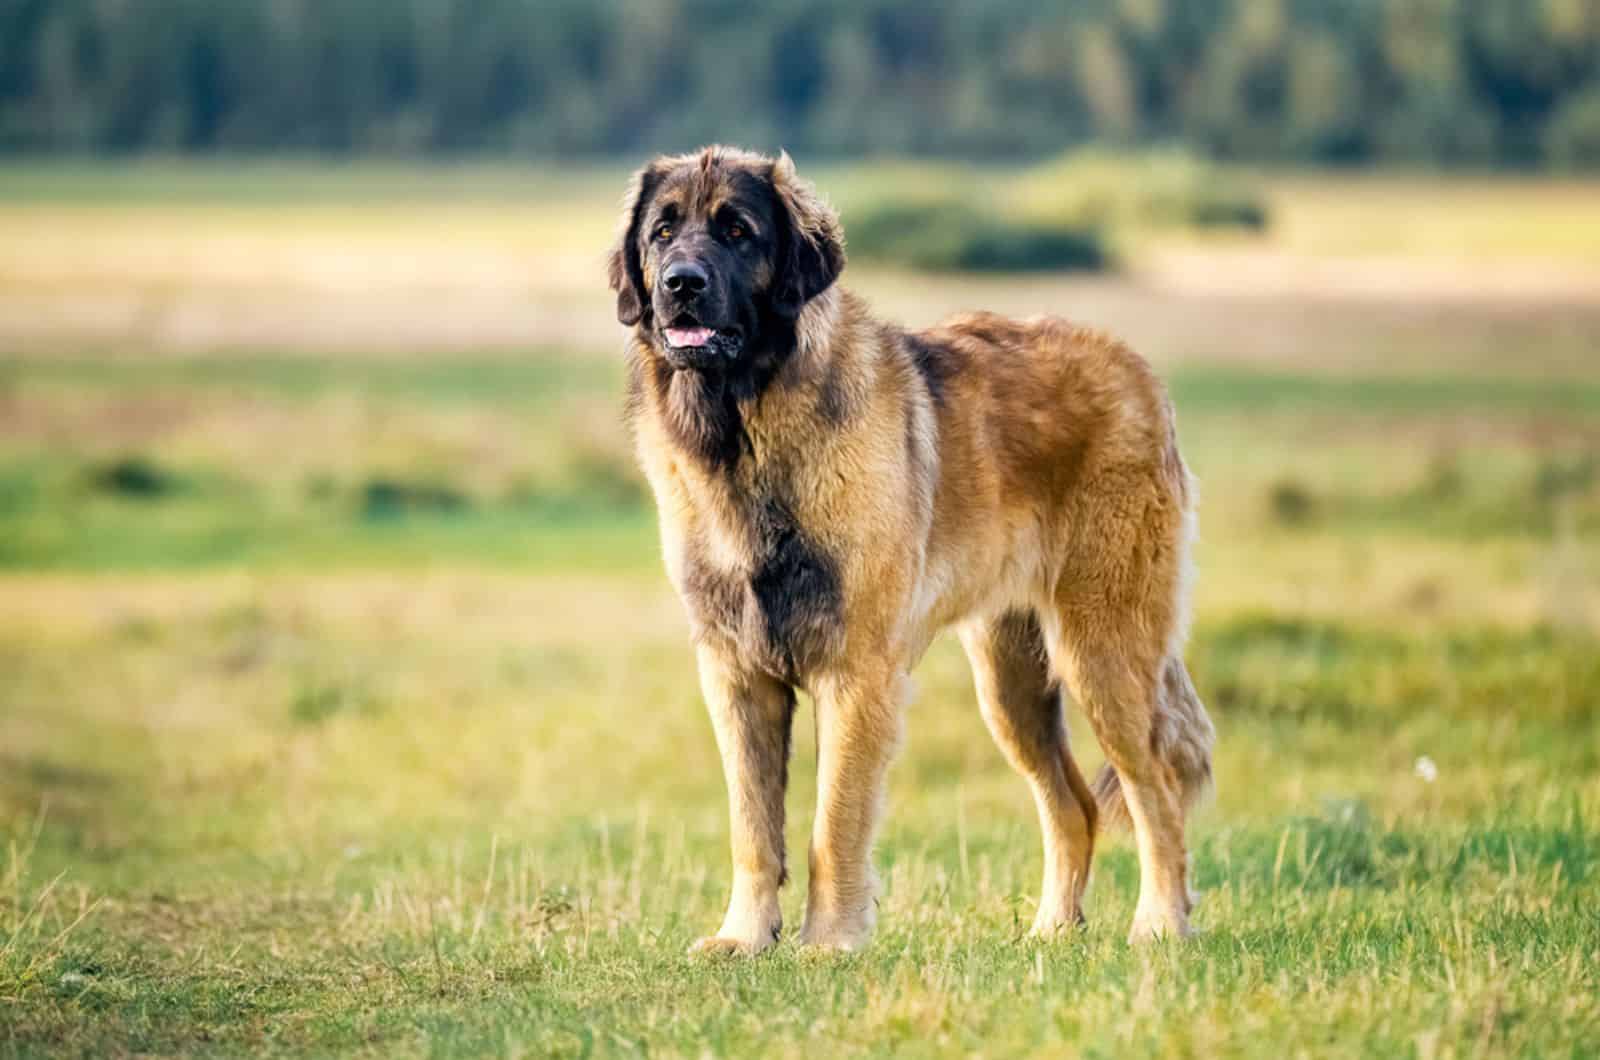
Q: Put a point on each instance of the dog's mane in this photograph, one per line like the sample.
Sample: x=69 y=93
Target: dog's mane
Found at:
x=702 y=412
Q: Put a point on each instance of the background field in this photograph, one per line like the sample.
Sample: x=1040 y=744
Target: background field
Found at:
x=343 y=705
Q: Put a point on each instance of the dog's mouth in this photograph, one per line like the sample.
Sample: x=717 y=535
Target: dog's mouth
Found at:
x=689 y=336
x=690 y=344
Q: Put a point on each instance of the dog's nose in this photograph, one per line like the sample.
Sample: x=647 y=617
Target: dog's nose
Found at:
x=684 y=277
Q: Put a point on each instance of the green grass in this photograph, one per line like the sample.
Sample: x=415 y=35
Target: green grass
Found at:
x=507 y=973
x=264 y=486
x=537 y=377
x=1218 y=389
x=548 y=376
x=282 y=462
x=316 y=866
x=369 y=748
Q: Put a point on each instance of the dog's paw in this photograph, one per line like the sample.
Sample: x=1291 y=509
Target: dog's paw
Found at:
x=841 y=935
x=824 y=947
x=1051 y=925
x=1150 y=928
x=718 y=946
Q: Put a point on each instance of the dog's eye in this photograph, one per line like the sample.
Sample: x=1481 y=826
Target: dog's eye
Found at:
x=736 y=232
x=663 y=233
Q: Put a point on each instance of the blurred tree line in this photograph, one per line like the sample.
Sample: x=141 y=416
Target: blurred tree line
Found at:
x=1444 y=81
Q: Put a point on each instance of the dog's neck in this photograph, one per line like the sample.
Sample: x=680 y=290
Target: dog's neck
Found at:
x=718 y=419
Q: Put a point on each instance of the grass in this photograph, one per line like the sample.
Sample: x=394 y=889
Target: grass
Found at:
x=523 y=461
x=290 y=896
x=360 y=766
x=507 y=967
x=344 y=708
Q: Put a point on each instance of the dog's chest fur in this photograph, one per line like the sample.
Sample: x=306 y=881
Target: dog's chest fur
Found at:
x=754 y=578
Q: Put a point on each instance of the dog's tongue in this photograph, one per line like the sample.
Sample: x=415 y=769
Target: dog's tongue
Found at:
x=689 y=336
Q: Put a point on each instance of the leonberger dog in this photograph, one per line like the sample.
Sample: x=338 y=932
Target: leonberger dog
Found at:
x=834 y=490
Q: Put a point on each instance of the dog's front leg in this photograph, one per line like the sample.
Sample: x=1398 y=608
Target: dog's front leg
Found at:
x=858 y=729
x=751 y=713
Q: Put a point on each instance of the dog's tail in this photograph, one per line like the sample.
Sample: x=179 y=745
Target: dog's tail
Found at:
x=1182 y=741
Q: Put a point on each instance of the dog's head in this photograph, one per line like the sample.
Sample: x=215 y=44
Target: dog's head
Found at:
x=718 y=250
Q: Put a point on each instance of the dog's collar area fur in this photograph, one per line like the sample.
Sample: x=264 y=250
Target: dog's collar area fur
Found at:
x=702 y=409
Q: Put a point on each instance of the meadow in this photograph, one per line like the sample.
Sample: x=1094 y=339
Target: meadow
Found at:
x=344 y=707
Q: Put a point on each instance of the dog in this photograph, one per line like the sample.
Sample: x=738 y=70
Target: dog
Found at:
x=835 y=490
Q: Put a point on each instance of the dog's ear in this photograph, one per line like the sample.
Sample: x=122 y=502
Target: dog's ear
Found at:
x=810 y=247
x=624 y=268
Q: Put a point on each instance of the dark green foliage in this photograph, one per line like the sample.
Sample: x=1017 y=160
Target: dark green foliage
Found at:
x=950 y=236
x=605 y=480
x=1450 y=81
x=136 y=477
x=1572 y=138
x=317 y=700
x=1230 y=213
x=1559 y=477
x=389 y=498
x=1291 y=503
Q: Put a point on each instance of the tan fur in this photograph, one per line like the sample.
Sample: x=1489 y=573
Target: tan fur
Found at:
x=1017 y=480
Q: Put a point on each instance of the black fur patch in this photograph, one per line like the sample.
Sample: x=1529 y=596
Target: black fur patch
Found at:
x=784 y=615
x=934 y=361
x=626 y=267
x=700 y=408
x=795 y=588
x=699 y=412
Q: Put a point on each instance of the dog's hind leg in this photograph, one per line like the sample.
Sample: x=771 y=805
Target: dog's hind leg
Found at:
x=1115 y=680
x=752 y=715
x=1115 y=636
x=1021 y=704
